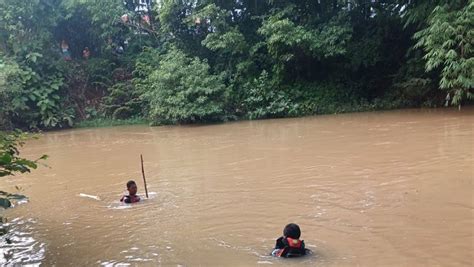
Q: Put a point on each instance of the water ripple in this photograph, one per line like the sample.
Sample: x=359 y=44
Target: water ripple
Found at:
x=18 y=246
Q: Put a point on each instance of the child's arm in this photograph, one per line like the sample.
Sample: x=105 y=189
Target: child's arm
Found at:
x=125 y=199
x=279 y=243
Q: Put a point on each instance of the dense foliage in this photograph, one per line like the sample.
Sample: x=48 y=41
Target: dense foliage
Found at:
x=449 y=44
x=211 y=60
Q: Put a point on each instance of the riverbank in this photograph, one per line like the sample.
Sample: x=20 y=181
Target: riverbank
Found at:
x=109 y=122
x=305 y=110
x=327 y=110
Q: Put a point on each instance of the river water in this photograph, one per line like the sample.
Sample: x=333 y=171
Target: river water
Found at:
x=371 y=189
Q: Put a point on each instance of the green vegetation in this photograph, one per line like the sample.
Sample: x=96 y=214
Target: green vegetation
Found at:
x=182 y=90
x=11 y=162
x=449 y=43
x=108 y=122
x=90 y=63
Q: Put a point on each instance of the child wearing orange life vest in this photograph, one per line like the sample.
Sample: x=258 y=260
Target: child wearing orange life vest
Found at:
x=289 y=245
x=132 y=193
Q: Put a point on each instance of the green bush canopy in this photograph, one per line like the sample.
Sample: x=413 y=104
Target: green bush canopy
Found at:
x=65 y=61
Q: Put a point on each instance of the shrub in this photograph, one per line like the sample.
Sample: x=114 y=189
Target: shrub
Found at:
x=184 y=91
x=265 y=100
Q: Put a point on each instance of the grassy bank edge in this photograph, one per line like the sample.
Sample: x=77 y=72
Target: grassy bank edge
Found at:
x=109 y=122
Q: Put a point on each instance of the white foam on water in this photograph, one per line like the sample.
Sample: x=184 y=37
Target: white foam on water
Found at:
x=89 y=196
x=119 y=206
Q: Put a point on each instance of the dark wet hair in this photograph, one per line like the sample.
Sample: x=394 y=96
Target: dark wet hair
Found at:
x=130 y=183
x=292 y=230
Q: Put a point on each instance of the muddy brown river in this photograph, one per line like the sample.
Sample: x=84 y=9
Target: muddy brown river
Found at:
x=369 y=189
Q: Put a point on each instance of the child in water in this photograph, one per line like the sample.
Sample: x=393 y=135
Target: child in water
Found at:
x=290 y=245
x=132 y=193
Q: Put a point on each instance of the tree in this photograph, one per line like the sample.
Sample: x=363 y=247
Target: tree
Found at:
x=31 y=76
x=255 y=59
x=183 y=90
x=448 y=42
x=290 y=43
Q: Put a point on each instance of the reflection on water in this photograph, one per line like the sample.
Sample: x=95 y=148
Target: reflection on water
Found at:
x=370 y=189
x=18 y=246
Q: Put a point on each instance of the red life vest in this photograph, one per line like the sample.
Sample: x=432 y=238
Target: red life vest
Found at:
x=293 y=248
x=294 y=243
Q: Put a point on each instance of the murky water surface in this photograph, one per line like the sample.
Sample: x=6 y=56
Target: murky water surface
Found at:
x=369 y=189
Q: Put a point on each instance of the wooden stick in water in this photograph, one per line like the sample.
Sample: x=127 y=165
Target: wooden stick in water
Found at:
x=143 y=174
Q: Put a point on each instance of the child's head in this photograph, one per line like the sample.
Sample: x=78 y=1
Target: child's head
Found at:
x=132 y=187
x=292 y=230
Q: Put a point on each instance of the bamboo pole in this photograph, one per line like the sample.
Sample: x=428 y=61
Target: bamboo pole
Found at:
x=143 y=175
